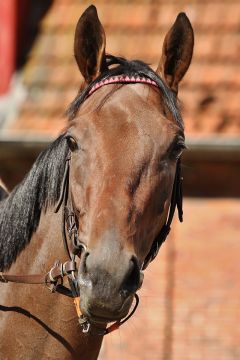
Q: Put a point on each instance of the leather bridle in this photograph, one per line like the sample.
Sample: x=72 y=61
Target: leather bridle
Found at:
x=176 y=202
x=73 y=247
x=54 y=278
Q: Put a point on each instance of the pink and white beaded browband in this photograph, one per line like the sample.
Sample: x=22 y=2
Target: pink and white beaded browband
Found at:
x=120 y=79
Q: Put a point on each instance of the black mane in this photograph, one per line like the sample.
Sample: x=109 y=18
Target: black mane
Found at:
x=20 y=211
x=135 y=68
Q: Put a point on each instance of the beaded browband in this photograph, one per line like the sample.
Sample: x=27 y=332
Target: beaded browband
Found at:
x=120 y=79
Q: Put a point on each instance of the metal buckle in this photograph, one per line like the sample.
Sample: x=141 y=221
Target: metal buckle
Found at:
x=85 y=324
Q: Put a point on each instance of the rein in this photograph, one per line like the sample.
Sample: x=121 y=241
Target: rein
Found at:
x=53 y=279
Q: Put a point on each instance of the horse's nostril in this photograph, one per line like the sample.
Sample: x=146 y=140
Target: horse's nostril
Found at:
x=132 y=280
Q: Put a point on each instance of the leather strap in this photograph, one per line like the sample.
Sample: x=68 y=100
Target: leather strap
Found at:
x=58 y=271
x=23 y=279
x=176 y=201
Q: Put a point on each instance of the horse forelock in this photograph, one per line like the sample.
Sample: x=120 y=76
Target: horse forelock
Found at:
x=124 y=69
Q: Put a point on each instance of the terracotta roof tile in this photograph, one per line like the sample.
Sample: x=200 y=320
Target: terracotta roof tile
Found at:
x=204 y=74
x=210 y=92
x=43 y=123
x=219 y=14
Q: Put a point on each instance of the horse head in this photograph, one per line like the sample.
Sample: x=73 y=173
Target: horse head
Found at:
x=126 y=137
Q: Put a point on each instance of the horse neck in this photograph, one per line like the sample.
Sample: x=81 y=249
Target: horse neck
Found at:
x=54 y=310
x=20 y=212
x=18 y=221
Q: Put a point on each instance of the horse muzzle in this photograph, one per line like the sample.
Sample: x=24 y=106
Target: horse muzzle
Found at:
x=106 y=294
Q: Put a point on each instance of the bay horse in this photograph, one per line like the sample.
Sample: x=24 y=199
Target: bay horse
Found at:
x=107 y=187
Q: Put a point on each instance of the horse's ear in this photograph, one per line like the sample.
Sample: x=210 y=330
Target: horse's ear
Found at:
x=177 y=52
x=89 y=45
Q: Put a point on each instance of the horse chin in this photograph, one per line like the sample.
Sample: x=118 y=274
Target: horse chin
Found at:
x=103 y=315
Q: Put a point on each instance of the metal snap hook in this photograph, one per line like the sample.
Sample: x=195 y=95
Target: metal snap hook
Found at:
x=85 y=324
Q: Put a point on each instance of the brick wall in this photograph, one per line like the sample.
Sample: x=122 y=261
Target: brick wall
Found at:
x=189 y=304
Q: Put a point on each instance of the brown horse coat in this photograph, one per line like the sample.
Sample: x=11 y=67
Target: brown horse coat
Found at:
x=125 y=143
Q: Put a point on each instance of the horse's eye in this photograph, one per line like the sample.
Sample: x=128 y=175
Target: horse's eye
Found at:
x=72 y=143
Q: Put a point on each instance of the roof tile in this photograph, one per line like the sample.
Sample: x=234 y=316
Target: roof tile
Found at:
x=210 y=91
